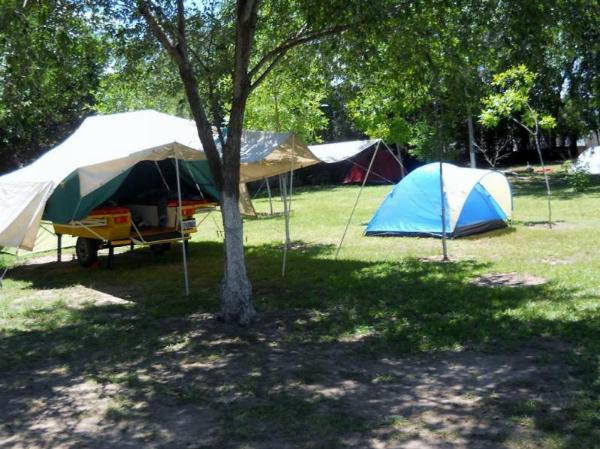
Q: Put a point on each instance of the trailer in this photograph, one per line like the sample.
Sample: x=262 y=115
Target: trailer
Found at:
x=144 y=224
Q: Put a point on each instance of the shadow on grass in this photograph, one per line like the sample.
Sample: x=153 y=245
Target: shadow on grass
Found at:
x=534 y=185
x=337 y=358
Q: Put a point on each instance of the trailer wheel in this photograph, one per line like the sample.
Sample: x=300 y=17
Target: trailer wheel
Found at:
x=160 y=248
x=87 y=251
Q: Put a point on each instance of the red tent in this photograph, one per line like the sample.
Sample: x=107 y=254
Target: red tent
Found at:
x=385 y=168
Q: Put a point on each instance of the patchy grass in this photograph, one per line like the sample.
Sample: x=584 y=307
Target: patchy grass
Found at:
x=385 y=346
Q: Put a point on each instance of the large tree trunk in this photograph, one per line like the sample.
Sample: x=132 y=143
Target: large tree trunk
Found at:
x=235 y=288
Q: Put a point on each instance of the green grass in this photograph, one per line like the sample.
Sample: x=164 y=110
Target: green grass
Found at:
x=382 y=297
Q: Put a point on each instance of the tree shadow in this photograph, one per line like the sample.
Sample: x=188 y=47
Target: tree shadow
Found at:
x=534 y=185
x=346 y=353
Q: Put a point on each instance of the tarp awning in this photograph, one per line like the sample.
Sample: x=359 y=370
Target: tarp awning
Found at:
x=336 y=152
x=98 y=156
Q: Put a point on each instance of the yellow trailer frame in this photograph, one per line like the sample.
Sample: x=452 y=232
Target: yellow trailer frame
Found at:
x=110 y=227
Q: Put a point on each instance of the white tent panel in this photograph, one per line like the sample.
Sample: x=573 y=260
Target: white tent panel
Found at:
x=340 y=151
x=459 y=182
x=497 y=185
x=589 y=161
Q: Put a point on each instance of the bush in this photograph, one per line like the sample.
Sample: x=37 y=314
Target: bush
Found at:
x=578 y=179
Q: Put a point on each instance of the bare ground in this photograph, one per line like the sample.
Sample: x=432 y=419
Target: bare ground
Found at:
x=208 y=386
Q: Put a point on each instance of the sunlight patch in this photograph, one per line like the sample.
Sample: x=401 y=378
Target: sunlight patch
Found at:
x=493 y=280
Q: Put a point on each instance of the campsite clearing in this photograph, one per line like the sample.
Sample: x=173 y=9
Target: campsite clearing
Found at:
x=379 y=348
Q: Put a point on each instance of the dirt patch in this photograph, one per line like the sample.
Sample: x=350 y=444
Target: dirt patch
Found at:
x=212 y=386
x=494 y=280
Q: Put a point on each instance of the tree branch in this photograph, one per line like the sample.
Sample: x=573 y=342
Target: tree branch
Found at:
x=177 y=52
x=266 y=72
x=158 y=31
x=300 y=38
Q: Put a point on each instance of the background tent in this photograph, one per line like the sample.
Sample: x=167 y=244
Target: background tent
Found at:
x=119 y=156
x=589 y=161
x=348 y=162
x=475 y=201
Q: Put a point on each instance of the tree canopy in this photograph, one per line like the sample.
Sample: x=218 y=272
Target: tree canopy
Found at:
x=50 y=69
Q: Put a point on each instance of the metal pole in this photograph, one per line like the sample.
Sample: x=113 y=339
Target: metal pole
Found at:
x=471 y=139
x=399 y=160
x=292 y=173
x=471 y=132
x=59 y=247
x=356 y=202
x=270 y=198
x=444 y=247
x=287 y=223
x=180 y=213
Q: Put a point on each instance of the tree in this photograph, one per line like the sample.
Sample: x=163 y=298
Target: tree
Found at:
x=50 y=67
x=221 y=60
x=291 y=98
x=513 y=102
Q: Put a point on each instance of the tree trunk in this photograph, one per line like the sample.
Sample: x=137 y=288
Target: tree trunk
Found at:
x=548 y=191
x=235 y=288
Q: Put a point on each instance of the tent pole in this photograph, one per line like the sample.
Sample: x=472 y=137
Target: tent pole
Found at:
x=270 y=198
x=6 y=270
x=444 y=245
x=180 y=213
x=357 y=198
x=402 y=170
x=292 y=173
x=259 y=189
x=287 y=223
x=2 y=277
x=59 y=247
x=162 y=176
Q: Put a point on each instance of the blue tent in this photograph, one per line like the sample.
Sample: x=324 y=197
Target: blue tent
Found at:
x=475 y=201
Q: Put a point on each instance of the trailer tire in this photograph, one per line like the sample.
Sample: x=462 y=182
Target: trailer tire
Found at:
x=87 y=251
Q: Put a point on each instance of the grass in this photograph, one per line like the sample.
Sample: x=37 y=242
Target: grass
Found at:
x=382 y=298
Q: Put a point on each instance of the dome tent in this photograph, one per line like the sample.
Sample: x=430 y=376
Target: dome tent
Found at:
x=475 y=201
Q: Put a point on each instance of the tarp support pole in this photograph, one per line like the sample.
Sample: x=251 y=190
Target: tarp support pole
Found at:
x=357 y=199
x=444 y=245
x=162 y=176
x=59 y=247
x=287 y=207
x=291 y=173
x=180 y=213
x=2 y=277
x=270 y=198
x=283 y=183
x=399 y=160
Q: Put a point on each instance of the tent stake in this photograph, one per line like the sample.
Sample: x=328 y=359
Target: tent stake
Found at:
x=357 y=198
x=180 y=213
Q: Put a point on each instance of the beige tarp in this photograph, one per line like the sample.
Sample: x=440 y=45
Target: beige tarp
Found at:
x=105 y=146
x=245 y=202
